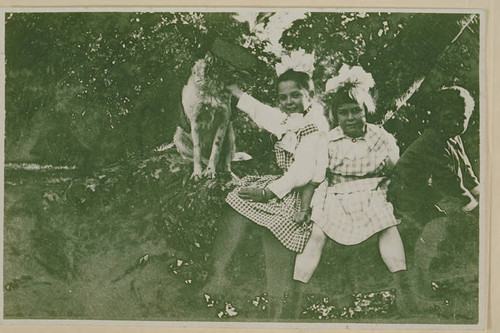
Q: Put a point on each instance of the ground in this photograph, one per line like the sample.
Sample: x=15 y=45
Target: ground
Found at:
x=132 y=242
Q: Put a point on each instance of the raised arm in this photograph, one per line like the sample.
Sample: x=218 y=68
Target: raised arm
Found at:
x=266 y=117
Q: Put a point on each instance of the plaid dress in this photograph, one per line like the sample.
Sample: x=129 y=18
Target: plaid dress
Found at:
x=351 y=205
x=277 y=214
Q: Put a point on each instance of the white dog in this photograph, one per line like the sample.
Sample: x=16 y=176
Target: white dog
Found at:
x=207 y=107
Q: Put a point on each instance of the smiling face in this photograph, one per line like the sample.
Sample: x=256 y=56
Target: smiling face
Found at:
x=293 y=98
x=351 y=118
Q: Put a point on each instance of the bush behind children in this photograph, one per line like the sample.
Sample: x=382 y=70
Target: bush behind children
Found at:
x=347 y=185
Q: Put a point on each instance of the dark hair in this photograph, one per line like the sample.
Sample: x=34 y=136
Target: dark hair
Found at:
x=339 y=97
x=443 y=97
x=302 y=79
x=446 y=97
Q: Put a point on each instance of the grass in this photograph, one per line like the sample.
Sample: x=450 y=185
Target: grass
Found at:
x=132 y=242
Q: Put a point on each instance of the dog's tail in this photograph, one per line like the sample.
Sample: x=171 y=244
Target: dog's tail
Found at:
x=241 y=156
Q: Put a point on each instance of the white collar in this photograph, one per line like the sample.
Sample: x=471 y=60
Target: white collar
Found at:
x=294 y=122
x=374 y=135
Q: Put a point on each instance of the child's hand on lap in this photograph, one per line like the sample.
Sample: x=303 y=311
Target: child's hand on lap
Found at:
x=255 y=194
x=302 y=216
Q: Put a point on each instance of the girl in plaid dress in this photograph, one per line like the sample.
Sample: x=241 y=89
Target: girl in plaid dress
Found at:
x=275 y=201
x=351 y=206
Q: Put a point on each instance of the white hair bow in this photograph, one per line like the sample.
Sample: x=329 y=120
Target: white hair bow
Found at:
x=355 y=75
x=360 y=81
x=298 y=60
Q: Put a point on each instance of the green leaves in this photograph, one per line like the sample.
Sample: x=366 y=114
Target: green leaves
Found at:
x=398 y=49
x=112 y=81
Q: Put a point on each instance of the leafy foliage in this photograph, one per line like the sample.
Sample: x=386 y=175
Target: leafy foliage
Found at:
x=96 y=87
x=102 y=90
x=398 y=49
x=112 y=80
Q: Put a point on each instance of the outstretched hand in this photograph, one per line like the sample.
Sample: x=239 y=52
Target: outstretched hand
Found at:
x=235 y=90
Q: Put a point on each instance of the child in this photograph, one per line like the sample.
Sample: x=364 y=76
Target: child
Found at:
x=271 y=201
x=434 y=170
x=351 y=206
x=274 y=201
x=433 y=184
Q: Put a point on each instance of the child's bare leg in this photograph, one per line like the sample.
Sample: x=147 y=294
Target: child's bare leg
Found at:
x=426 y=249
x=229 y=233
x=392 y=250
x=307 y=261
x=279 y=265
x=392 y=253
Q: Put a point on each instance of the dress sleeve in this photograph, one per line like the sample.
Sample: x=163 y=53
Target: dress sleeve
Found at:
x=450 y=184
x=322 y=161
x=306 y=167
x=392 y=154
x=266 y=117
x=470 y=179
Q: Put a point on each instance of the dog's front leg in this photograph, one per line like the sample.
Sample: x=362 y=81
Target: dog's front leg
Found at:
x=230 y=145
x=197 y=169
x=231 y=150
x=210 y=171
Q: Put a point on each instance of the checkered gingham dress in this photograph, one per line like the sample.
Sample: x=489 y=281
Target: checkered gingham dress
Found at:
x=277 y=214
x=351 y=205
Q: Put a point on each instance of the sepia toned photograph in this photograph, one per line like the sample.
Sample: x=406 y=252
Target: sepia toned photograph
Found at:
x=238 y=166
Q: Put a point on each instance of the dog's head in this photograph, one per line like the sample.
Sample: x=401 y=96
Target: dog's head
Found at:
x=236 y=63
x=219 y=73
x=222 y=72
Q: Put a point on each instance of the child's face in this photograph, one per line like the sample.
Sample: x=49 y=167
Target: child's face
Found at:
x=293 y=98
x=351 y=118
x=453 y=120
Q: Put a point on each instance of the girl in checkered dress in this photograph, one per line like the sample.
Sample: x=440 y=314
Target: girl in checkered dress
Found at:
x=275 y=202
x=351 y=206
